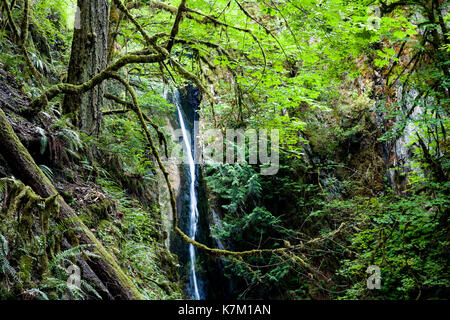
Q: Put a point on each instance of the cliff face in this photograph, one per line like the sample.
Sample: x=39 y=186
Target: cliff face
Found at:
x=175 y=173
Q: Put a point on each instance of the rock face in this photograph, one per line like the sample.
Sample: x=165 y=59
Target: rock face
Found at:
x=397 y=153
x=175 y=172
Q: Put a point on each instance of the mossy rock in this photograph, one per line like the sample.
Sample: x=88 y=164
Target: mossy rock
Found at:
x=96 y=212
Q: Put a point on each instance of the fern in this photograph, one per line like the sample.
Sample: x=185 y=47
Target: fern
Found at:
x=65 y=255
x=89 y=288
x=58 y=267
x=44 y=139
x=72 y=138
x=5 y=267
x=47 y=171
x=39 y=294
x=61 y=286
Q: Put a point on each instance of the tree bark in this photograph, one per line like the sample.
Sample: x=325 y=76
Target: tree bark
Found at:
x=115 y=17
x=106 y=268
x=88 y=58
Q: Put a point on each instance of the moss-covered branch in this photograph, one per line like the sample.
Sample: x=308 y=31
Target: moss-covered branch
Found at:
x=161 y=137
x=151 y=41
x=55 y=90
x=176 y=25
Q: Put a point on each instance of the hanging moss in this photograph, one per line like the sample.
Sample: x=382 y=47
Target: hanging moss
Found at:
x=26 y=221
x=25 y=265
x=21 y=206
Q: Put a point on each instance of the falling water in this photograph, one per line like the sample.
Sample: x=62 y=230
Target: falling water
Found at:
x=193 y=210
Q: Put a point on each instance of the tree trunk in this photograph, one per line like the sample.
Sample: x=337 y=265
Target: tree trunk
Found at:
x=114 y=20
x=106 y=268
x=88 y=58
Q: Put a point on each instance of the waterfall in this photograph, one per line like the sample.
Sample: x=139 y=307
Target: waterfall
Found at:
x=193 y=209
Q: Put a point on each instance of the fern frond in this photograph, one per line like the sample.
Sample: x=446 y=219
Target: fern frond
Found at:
x=47 y=171
x=90 y=289
x=3 y=245
x=5 y=267
x=65 y=255
x=72 y=138
x=44 y=139
x=40 y=295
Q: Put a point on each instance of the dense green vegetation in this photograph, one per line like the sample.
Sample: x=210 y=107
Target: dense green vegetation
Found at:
x=358 y=91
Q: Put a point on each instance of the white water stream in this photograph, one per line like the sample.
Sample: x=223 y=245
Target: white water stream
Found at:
x=193 y=210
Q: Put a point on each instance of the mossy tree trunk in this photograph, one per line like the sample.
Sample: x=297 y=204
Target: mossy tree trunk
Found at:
x=88 y=58
x=114 y=22
x=106 y=268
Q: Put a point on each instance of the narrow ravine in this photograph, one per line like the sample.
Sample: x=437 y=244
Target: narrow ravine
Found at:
x=194 y=289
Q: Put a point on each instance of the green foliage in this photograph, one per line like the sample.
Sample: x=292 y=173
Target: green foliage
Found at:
x=135 y=241
x=123 y=137
x=59 y=283
x=5 y=266
x=311 y=69
x=144 y=260
x=47 y=171
x=54 y=17
x=407 y=239
x=248 y=224
x=238 y=183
